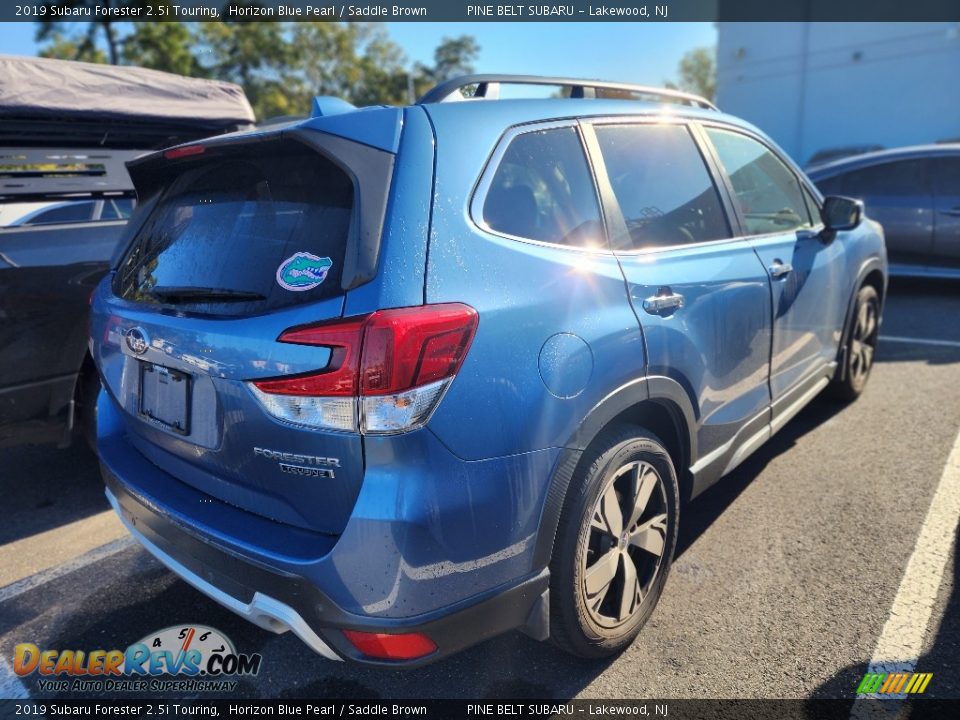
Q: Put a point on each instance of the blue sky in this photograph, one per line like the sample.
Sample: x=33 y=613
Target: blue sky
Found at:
x=644 y=53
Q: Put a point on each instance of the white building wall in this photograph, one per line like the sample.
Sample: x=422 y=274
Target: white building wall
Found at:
x=815 y=86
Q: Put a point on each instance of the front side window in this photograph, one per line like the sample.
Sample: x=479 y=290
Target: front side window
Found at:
x=662 y=186
x=542 y=190
x=813 y=207
x=768 y=193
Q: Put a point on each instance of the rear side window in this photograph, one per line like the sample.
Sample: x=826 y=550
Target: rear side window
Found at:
x=248 y=230
x=903 y=177
x=948 y=176
x=543 y=190
x=767 y=191
x=662 y=186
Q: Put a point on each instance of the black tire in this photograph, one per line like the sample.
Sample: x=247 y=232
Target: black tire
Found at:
x=592 y=625
x=89 y=389
x=861 y=343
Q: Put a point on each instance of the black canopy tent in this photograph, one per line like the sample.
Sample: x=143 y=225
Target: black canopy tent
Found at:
x=68 y=128
x=46 y=102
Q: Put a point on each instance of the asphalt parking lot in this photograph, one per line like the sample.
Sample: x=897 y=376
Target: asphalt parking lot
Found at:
x=785 y=578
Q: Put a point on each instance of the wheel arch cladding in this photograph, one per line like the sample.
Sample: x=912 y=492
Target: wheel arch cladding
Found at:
x=659 y=405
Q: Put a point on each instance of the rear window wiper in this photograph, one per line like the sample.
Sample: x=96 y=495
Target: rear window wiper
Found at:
x=171 y=294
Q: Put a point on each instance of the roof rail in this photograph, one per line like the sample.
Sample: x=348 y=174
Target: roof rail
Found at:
x=488 y=87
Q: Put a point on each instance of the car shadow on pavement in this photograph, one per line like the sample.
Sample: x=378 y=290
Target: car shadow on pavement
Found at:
x=891 y=351
x=942 y=657
x=131 y=595
x=513 y=666
x=699 y=514
x=44 y=488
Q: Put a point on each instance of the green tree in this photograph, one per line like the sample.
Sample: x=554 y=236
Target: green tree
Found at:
x=452 y=57
x=698 y=72
x=85 y=43
x=355 y=61
x=258 y=56
x=163 y=46
x=71 y=47
x=281 y=66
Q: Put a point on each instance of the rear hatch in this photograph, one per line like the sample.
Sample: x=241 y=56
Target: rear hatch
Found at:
x=237 y=241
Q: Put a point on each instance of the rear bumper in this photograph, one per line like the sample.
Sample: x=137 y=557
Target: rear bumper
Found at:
x=281 y=601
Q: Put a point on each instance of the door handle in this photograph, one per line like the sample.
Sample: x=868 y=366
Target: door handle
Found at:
x=664 y=301
x=779 y=269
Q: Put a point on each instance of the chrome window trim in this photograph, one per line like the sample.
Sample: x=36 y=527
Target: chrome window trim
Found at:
x=689 y=123
x=482 y=188
x=802 y=180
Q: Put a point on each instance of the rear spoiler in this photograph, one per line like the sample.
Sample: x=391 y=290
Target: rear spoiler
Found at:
x=28 y=174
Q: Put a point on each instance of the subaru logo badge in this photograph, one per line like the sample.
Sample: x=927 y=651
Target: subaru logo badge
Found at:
x=137 y=340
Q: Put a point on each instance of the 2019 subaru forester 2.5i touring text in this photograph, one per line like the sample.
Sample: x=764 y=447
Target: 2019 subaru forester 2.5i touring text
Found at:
x=402 y=379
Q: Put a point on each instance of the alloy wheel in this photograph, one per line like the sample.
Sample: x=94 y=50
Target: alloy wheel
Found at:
x=624 y=545
x=863 y=344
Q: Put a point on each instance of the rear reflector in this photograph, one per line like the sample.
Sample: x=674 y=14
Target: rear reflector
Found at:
x=387 y=370
x=387 y=646
x=184 y=151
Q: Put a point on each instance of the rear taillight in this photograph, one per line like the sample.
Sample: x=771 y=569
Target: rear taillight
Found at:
x=386 y=374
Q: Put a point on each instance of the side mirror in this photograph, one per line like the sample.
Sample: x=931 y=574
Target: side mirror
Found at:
x=841 y=213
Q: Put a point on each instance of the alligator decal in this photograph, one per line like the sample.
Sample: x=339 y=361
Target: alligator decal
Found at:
x=303 y=271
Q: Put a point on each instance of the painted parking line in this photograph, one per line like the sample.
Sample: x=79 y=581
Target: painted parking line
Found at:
x=901 y=642
x=11 y=687
x=34 y=581
x=920 y=341
x=52 y=548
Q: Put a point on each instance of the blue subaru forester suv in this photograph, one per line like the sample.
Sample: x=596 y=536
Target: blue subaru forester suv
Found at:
x=402 y=379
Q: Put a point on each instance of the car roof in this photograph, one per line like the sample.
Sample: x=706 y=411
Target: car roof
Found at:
x=508 y=112
x=877 y=157
x=482 y=120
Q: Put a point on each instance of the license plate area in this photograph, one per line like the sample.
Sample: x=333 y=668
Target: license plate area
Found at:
x=165 y=397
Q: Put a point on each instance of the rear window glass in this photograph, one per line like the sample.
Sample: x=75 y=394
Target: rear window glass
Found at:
x=244 y=232
x=543 y=190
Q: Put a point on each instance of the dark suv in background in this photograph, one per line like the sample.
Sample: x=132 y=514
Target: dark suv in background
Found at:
x=914 y=192
x=65 y=197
